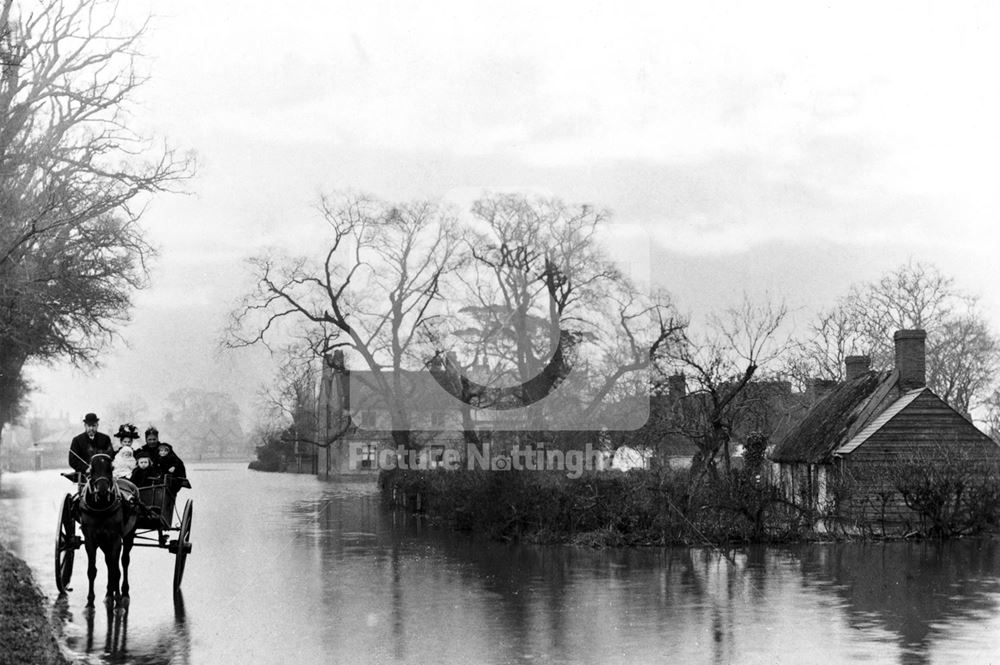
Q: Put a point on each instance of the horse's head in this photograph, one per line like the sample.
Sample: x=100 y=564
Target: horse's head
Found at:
x=101 y=486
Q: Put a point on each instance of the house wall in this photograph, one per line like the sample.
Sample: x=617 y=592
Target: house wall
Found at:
x=348 y=427
x=800 y=483
x=927 y=430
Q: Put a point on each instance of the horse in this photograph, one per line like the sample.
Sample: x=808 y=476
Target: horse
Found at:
x=108 y=523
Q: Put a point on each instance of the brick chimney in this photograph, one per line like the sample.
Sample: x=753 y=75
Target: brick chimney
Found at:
x=817 y=389
x=677 y=384
x=911 y=358
x=342 y=382
x=337 y=360
x=856 y=366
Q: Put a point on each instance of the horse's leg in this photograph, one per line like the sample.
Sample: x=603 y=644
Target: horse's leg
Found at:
x=89 y=614
x=90 y=544
x=112 y=555
x=127 y=543
x=108 y=637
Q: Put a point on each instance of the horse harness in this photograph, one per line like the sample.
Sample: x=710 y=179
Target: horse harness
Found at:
x=92 y=488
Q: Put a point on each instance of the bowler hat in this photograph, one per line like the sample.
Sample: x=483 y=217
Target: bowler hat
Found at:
x=90 y=419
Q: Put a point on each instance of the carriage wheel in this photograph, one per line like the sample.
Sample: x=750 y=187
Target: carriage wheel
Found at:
x=66 y=543
x=182 y=545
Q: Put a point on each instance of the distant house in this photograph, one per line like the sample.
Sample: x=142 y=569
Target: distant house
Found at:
x=874 y=420
x=659 y=442
x=678 y=418
x=356 y=422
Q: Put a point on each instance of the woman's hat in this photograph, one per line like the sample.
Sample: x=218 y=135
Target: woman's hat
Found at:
x=127 y=430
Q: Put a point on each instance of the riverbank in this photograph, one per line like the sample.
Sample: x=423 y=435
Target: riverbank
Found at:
x=25 y=632
x=669 y=507
x=598 y=509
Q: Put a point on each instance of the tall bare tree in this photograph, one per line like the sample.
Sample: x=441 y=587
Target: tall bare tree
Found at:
x=373 y=292
x=544 y=305
x=74 y=183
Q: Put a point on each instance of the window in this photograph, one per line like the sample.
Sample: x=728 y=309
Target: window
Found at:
x=368 y=454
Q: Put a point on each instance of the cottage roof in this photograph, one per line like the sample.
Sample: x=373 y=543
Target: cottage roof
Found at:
x=835 y=419
x=419 y=391
x=877 y=423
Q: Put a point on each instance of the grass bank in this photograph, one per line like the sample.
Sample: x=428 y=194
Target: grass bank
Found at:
x=25 y=632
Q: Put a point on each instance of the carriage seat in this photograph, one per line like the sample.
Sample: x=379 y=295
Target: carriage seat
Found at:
x=158 y=500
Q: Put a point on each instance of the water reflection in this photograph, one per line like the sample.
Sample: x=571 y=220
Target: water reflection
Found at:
x=916 y=591
x=510 y=603
x=169 y=642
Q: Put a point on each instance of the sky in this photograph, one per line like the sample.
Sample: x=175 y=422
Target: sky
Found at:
x=783 y=148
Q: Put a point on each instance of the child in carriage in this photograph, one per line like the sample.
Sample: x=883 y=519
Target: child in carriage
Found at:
x=145 y=473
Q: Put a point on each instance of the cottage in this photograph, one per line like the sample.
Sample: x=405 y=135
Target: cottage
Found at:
x=872 y=421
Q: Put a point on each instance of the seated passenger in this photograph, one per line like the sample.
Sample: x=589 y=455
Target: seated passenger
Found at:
x=144 y=474
x=170 y=463
x=152 y=443
x=124 y=461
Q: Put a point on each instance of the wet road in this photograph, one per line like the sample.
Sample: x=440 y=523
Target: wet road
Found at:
x=286 y=569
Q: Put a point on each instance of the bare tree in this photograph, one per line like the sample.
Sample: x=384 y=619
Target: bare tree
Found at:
x=373 y=292
x=962 y=358
x=545 y=306
x=290 y=398
x=962 y=351
x=132 y=409
x=74 y=183
x=992 y=419
x=532 y=262
x=201 y=422
x=720 y=361
x=831 y=336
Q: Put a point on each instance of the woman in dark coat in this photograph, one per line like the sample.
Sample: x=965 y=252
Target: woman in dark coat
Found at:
x=169 y=463
x=151 y=447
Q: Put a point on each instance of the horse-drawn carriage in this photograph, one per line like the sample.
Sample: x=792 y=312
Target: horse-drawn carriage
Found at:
x=156 y=520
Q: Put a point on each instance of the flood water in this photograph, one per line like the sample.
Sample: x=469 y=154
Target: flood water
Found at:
x=287 y=569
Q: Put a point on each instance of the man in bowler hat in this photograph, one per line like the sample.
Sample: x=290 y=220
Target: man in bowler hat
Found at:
x=90 y=442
